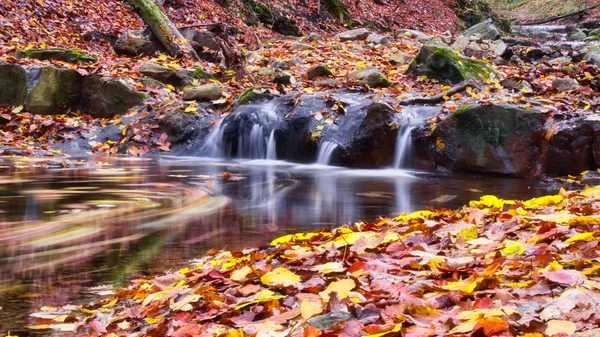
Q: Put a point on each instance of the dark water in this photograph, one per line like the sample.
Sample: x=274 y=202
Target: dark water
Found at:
x=65 y=231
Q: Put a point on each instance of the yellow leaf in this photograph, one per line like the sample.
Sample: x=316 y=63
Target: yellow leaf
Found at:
x=329 y=120
x=464 y=287
x=341 y=287
x=295 y=237
x=265 y=295
x=587 y=236
x=191 y=109
x=513 y=248
x=153 y=320
x=535 y=334
x=241 y=273
x=490 y=201
x=310 y=308
x=170 y=87
x=329 y=267
x=235 y=333
x=470 y=233
x=544 y=201
x=397 y=328
x=17 y=109
x=440 y=144
x=588 y=75
x=280 y=276
x=555 y=327
x=349 y=239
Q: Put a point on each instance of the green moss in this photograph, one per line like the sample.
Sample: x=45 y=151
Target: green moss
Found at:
x=72 y=56
x=470 y=124
x=468 y=67
x=251 y=95
x=203 y=74
x=319 y=71
x=338 y=10
x=593 y=33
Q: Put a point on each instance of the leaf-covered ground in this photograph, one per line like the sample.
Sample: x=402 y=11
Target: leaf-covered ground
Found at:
x=493 y=268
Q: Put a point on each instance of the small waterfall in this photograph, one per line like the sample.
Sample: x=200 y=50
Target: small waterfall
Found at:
x=325 y=151
x=271 y=149
x=213 y=145
x=252 y=145
x=403 y=146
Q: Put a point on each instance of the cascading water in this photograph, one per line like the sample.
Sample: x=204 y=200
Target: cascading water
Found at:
x=252 y=145
x=403 y=146
x=325 y=151
x=213 y=145
x=271 y=147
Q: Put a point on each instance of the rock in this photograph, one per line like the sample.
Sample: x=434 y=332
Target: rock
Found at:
x=461 y=43
x=501 y=49
x=592 y=56
x=177 y=78
x=266 y=72
x=420 y=36
x=255 y=94
x=559 y=61
x=13 y=84
x=279 y=65
x=323 y=322
x=565 y=84
x=569 y=70
x=296 y=61
x=206 y=92
x=185 y=128
x=576 y=35
x=329 y=82
x=510 y=82
x=359 y=34
x=108 y=97
x=66 y=55
x=444 y=64
x=202 y=37
x=525 y=87
x=378 y=39
x=54 y=90
x=319 y=71
x=137 y=42
x=399 y=59
x=284 y=79
x=301 y=46
x=591 y=178
x=570 y=148
x=314 y=37
x=253 y=57
x=501 y=139
x=485 y=30
x=371 y=77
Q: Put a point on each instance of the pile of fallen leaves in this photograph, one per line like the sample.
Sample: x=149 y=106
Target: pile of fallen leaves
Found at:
x=493 y=268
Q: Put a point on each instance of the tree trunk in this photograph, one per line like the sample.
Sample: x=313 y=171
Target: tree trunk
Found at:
x=166 y=32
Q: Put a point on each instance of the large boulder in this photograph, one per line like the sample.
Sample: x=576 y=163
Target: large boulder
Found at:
x=13 y=84
x=570 y=147
x=592 y=56
x=485 y=30
x=137 y=42
x=500 y=139
x=108 y=97
x=53 y=90
x=186 y=131
x=448 y=66
x=204 y=38
x=359 y=34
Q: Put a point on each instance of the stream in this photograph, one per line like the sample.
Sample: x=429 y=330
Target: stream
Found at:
x=71 y=235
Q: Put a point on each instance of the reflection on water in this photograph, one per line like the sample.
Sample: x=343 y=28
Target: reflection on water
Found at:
x=63 y=232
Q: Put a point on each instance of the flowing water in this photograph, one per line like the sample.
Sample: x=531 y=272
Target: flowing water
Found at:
x=326 y=150
x=70 y=235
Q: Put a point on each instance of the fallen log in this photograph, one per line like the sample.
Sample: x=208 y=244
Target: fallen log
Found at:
x=166 y=32
x=554 y=18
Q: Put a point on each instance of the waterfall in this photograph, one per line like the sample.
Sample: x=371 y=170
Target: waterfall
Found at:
x=403 y=146
x=213 y=145
x=325 y=151
x=271 y=149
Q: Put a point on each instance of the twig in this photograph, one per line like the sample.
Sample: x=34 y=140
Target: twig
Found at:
x=439 y=97
x=201 y=25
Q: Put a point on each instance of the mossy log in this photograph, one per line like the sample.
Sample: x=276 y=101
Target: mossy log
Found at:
x=166 y=32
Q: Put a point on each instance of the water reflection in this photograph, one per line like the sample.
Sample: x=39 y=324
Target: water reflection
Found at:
x=65 y=231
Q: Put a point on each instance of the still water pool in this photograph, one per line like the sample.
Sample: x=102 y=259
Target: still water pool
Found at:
x=69 y=235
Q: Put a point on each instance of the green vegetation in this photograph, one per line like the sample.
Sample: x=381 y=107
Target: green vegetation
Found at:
x=469 y=68
x=72 y=56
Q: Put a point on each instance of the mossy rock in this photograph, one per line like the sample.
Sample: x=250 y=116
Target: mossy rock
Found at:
x=202 y=74
x=13 y=84
x=319 y=71
x=55 y=90
x=254 y=94
x=255 y=12
x=448 y=66
x=107 y=97
x=338 y=11
x=71 y=56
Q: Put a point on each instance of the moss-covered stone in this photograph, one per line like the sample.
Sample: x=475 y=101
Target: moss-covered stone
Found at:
x=255 y=12
x=319 y=71
x=66 y=55
x=254 y=94
x=107 y=97
x=448 y=66
x=202 y=74
x=13 y=84
x=338 y=11
x=55 y=90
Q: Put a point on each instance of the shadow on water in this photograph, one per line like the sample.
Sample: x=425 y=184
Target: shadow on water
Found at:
x=70 y=235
